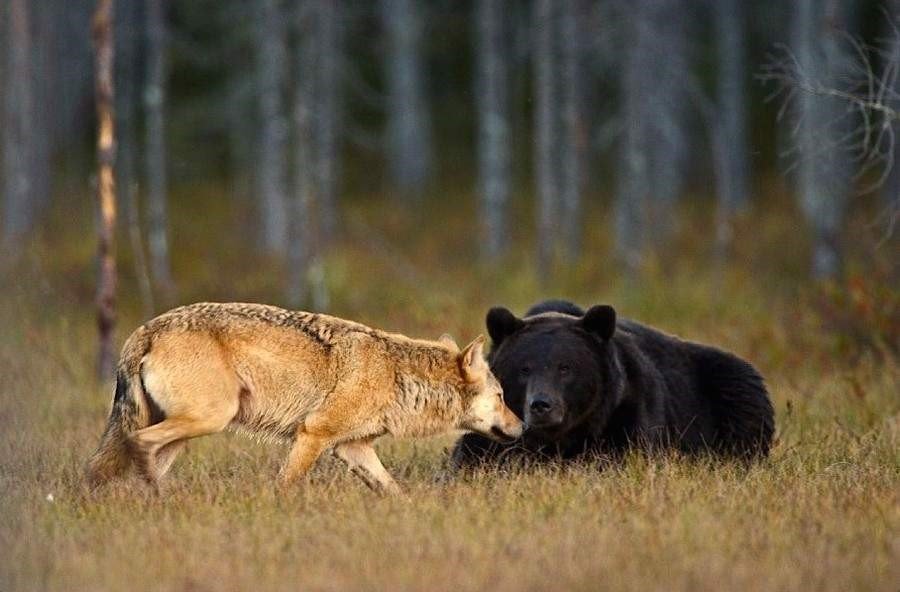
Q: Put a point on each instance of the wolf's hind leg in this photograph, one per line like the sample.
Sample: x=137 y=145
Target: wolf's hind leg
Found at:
x=154 y=448
x=304 y=453
x=360 y=456
x=166 y=455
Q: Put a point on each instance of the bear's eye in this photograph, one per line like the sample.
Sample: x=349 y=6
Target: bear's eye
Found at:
x=525 y=370
x=563 y=369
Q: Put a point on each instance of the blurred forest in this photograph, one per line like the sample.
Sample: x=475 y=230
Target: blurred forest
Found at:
x=725 y=170
x=271 y=138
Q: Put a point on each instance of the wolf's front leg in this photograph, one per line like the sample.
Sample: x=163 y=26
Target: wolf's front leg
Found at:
x=360 y=456
x=303 y=455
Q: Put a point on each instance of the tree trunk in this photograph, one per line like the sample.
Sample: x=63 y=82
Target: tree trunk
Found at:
x=732 y=162
x=154 y=104
x=633 y=193
x=327 y=112
x=127 y=81
x=574 y=134
x=492 y=95
x=102 y=28
x=44 y=89
x=303 y=225
x=18 y=136
x=545 y=125
x=272 y=56
x=520 y=19
x=665 y=113
x=656 y=138
x=408 y=121
x=824 y=173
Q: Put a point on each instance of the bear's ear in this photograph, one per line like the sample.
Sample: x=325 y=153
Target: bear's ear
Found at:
x=501 y=324
x=600 y=320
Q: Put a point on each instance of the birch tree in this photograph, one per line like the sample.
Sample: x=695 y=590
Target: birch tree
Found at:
x=155 y=150
x=45 y=70
x=18 y=137
x=306 y=281
x=408 y=120
x=667 y=115
x=730 y=136
x=492 y=96
x=546 y=66
x=127 y=49
x=574 y=133
x=633 y=193
x=824 y=164
x=327 y=112
x=655 y=82
x=301 y=205
x=843 y=96
x=272 y=171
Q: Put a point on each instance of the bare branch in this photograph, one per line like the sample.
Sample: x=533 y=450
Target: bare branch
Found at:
x=869 y=94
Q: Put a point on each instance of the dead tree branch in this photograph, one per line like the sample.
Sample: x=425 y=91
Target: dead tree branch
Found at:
x=868 y=93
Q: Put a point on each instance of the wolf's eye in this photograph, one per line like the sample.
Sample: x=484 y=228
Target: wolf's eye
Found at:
x=563 y=369
x=525 y=370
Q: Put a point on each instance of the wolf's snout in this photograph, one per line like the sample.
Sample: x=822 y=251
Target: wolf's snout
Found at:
x=500 y=435
x=508 y=431
x=516 y=428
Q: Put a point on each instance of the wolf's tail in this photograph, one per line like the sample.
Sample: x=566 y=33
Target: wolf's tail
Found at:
x=130 y=412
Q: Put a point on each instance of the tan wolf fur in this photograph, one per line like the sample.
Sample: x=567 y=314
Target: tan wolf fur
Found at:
x=320 y=381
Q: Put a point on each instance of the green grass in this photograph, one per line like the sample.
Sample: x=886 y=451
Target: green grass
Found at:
x=823 y=513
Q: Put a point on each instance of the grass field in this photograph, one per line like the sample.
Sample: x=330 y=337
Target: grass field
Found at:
x=823 y=513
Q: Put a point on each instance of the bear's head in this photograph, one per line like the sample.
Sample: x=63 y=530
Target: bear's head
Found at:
x=558 y=371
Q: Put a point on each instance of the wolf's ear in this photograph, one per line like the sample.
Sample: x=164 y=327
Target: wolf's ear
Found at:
x=448 y=340
x=501 y=324
x=600 y=320
x=471 y=361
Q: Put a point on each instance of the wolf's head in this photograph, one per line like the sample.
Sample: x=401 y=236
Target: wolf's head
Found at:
x=484 y=409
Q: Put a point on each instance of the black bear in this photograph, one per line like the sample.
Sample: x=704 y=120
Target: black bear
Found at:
x=585 y=382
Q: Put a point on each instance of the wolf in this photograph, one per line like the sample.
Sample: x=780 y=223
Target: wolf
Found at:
x=319 y=381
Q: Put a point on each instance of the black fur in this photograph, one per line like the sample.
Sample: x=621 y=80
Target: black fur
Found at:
x=124 y=409
x=587 y=383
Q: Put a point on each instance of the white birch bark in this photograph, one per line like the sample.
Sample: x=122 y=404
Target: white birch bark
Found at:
x=408 y=120
x=18 y=140
x=492 y=96
x=273 y=127
x=825 y=171
x=155 y=151
x=546 y=128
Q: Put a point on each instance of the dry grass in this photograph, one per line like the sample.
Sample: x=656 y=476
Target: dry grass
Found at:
x=822 y=514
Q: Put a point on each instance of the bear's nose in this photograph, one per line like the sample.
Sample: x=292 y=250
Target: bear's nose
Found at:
x=540 y=405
